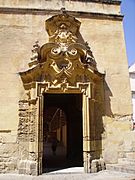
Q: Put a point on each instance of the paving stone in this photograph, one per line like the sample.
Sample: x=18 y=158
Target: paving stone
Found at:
x=103 y=175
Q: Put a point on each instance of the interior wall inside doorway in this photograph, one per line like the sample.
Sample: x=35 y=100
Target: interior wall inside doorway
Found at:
x=62 y=131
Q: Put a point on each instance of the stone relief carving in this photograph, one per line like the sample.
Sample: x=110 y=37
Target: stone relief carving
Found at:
x=63 y=58
x=63 y=36
x=63 y=63
x=66 y=58
x=35 y=51
x=34 y=56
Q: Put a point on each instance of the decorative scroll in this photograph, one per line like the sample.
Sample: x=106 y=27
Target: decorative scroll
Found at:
x=63 y=65
x=63 y=59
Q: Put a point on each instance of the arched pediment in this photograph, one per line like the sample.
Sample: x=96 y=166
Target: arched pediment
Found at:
x=63 y=58
x=54 y=23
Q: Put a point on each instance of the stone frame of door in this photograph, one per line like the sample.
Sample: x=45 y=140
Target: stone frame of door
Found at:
x=81 y=88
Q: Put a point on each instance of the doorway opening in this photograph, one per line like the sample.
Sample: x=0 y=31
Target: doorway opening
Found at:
x=62 y=131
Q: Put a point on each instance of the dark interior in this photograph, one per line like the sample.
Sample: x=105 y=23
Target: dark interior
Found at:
x=62 y=119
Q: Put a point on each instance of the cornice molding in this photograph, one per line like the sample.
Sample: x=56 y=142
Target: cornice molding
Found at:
x=7 y=10
x=116 y=2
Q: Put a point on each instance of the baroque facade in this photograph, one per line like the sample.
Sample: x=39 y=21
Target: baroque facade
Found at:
x=72 y=88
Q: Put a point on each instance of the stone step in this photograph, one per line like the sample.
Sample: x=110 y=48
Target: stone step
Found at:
x=127 y=168
x=126 y=161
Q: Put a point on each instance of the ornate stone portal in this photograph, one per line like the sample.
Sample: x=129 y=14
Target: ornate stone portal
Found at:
x=64 y=65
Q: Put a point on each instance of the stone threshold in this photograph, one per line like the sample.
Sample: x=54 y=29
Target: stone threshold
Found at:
x=71 y=170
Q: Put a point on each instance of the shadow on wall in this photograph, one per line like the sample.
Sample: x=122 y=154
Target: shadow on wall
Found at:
x=99 y=107
x=107 y=100
x=80 y=38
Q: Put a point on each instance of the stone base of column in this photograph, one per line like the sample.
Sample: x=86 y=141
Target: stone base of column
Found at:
x=28 y=167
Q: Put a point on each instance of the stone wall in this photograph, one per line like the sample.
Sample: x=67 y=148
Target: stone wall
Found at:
x=72 y=5
x=21 y=24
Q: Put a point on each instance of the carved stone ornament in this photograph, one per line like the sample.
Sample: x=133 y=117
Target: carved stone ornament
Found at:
x=63 y=65
x=63 y=59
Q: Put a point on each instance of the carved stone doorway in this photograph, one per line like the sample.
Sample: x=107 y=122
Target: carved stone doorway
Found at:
x=62 y=78
x=62 y=126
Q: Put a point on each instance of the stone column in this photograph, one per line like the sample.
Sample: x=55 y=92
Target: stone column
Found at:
x=28 y=137
x=33 y=139
x=23 y=135
x=40 y=132
x=86 y=133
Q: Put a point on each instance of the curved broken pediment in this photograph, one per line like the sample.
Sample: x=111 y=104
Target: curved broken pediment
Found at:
x=63 y=58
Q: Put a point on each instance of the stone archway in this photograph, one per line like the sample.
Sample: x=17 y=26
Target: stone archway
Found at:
x=62 y=66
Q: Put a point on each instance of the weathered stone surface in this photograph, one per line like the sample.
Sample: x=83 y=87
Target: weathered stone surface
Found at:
x=123 y=168
x=108 y=129
x=72 y=5
x=8 y=158
x=97 y=165
x=27 y=167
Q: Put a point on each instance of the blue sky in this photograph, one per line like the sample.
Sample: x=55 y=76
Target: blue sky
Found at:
x=128 y=10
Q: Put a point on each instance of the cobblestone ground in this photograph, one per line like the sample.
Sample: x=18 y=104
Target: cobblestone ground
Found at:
x=103 y=175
